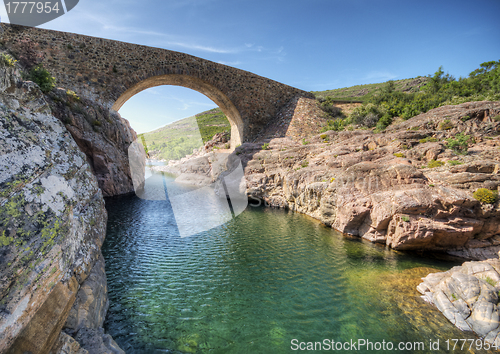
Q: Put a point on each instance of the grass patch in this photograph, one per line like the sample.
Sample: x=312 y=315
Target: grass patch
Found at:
x=7 y=60
x=446 y=125
x=429 y=139
x=435 y=163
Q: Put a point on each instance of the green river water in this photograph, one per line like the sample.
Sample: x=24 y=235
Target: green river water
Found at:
x=262 y=283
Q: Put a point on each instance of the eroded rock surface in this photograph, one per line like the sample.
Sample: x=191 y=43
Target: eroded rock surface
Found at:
x=52 y=222
x=378 y=186
x=468 y=296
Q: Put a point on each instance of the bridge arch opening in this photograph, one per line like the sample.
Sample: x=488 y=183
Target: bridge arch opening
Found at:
x=218 y=97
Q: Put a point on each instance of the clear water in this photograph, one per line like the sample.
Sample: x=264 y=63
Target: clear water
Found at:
x=256 y=283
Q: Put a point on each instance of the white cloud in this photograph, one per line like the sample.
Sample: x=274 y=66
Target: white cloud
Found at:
x=379 y=75
x=230 y=63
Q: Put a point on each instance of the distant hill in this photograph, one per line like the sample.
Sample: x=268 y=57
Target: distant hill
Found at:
x=178 y=139
x=361 y=93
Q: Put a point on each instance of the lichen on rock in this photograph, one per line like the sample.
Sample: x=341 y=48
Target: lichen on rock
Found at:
x=52 y=217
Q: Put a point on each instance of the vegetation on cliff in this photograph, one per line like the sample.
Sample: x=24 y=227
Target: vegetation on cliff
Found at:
x=383 y=102
x=176 y=140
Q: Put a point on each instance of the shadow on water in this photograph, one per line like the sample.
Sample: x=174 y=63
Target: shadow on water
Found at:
x=256 y=283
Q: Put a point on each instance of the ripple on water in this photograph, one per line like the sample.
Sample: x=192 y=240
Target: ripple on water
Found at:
x=254 y=284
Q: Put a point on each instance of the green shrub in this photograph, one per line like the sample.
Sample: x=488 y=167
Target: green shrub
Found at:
x=335 y=125
x=265 y=146
x=497 y=118
x=465 y=119
x=434 y=163
x=42 y=78
x=328 y=105
x=399 y=154
x=7 y=60
x=66 y=120
x=323 y=136
x=305 y=142
x=405 y=218
x=455 y=162
x=485 y=195
x=304 y=163
x=384 y=122
x=460 y=144
x=446 y=125
x=370 y=115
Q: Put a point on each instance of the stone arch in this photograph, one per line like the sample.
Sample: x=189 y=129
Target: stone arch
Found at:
x=194 y=83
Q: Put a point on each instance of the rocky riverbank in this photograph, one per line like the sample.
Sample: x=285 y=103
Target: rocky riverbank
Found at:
x=53 y=294
x=404 y=187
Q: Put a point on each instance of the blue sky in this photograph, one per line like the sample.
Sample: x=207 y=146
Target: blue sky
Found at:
x=312 y=45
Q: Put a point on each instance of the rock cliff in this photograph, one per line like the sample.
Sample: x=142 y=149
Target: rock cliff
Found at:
x=468 y=296
x=52 y=216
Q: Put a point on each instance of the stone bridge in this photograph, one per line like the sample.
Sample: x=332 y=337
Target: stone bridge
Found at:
x=110 y=72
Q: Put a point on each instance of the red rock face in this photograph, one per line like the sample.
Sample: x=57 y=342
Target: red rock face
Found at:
x=52 y=218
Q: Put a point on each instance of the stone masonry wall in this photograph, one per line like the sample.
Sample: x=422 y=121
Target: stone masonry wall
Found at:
x=102 y=70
